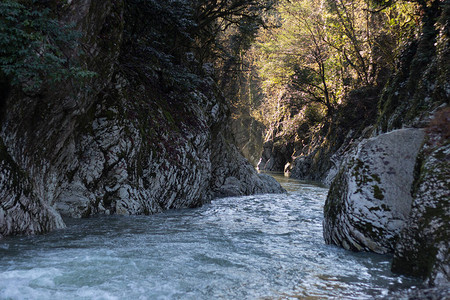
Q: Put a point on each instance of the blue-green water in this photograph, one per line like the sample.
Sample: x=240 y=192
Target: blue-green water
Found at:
x=254 y=247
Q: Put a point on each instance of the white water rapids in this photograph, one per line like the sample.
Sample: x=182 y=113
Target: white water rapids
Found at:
x=254 y=247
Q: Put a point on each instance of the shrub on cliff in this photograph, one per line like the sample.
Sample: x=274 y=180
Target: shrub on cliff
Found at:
x=32 y=45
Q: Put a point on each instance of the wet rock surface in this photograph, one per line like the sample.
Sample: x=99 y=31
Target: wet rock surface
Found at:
x=435 y=293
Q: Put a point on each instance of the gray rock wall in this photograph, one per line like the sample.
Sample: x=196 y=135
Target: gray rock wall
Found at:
x=21 y=210
x=118 y=145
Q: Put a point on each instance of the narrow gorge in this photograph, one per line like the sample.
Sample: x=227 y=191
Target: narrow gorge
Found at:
x=147 y=107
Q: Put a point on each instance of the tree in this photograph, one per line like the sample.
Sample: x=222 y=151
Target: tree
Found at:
x=295 y=59
x=184 y=35
x=320 y=51
x=32 y=46
x=218 y=20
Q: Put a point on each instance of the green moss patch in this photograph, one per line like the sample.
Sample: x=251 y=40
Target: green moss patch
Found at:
x=377 y=192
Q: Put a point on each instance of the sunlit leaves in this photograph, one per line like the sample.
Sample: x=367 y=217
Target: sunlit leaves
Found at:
x=323 y=49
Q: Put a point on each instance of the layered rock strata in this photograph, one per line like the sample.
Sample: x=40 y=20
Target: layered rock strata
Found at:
x=21 y=210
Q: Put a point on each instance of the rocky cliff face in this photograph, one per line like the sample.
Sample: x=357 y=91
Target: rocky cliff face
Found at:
x=396 y=199
x=21 y=210
x=249 y=137
x=275 y=155
x=129 y=141
x=321 y=157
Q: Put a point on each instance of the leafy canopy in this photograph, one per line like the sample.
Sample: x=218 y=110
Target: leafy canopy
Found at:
x=321 y=50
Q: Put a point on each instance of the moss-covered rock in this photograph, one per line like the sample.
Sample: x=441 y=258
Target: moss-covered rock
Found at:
x=416 y=94
x=424 y=246
x=422 y=81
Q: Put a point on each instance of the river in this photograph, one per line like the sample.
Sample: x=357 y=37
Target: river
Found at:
x=253 y=247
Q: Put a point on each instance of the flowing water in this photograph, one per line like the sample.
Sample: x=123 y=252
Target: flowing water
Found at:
x=254 y=247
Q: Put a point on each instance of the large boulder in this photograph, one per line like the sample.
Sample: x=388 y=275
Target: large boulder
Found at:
x=370 y=199
x=424 y=246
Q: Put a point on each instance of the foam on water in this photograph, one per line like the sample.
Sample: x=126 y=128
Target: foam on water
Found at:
x=265 y=246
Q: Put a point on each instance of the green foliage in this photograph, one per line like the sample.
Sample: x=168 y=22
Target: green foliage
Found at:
x=313 y=115
x=159 y=43
x=178 y=38
x=321 y=50
x=32 y=45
